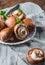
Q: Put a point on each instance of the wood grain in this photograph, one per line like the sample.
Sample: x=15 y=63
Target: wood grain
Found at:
x=8 y=3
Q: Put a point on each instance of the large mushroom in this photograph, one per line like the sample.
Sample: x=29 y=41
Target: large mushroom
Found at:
x=21 y=31
x=29 y=23
x=10 y=22
x=5 y=33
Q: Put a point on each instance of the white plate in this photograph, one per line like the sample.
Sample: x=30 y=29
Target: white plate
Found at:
x=28 y=8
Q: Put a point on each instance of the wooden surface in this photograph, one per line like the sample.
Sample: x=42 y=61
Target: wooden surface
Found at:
x=8 y=3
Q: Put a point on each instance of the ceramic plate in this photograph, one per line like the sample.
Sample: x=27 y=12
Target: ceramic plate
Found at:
x=28 y=8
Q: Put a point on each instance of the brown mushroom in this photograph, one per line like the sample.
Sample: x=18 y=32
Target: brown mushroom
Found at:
x=2 y=23
x=35 y=55
x=22 y=16
x=5 y=33
x=10 y=22
x=29 y=23
x=18 y=14
x=21 y=31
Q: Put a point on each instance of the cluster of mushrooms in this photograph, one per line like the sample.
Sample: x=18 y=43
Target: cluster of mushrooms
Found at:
x=16 y=23
x=35 y=56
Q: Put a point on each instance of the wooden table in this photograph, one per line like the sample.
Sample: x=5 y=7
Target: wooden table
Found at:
x=8 y=3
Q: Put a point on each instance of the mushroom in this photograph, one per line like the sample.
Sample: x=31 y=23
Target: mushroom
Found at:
x=18 y=14
x=29 y=23
x=15 y=12
x=10 y=22
x=2 y=23
x=5 y=33
x=21 y=16
x=21 y=31
x=35 y=55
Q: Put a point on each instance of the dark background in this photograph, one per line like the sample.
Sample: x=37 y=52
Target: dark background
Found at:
x=8 y=3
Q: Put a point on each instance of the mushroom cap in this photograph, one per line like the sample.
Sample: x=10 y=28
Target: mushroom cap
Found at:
x=22 y=16
x=2 y=23
x=18 y=14
x=29 y=23
x=20 y=31
x=15 y=12
x=32 y=61
x=5 y=33
x=10 y=22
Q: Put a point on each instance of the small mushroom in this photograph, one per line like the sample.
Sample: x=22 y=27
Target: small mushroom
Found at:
x=21 y=16
x=5 y=33
x=10 y=22
x=15 y=12
x=18 y=14
x=29 y=23
x=21 y=31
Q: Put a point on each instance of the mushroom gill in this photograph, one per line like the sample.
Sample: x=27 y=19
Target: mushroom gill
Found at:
x=21 y=31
